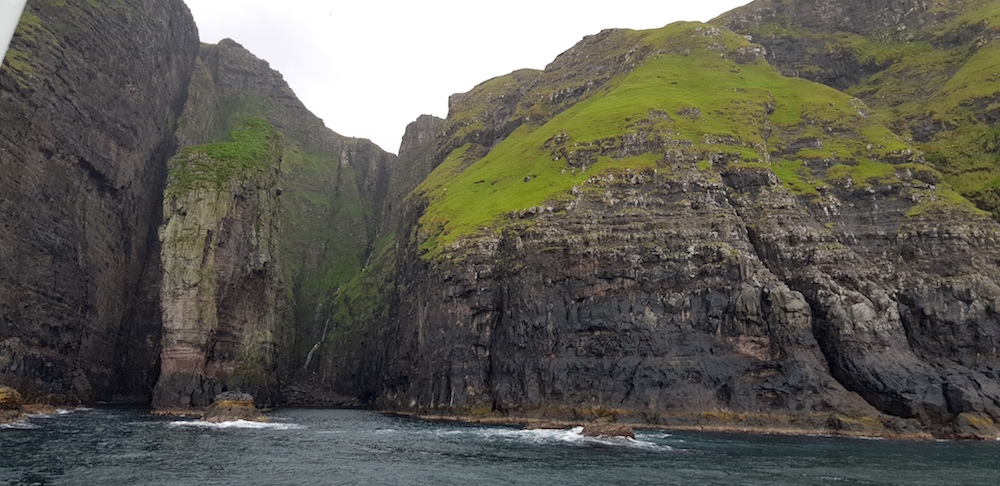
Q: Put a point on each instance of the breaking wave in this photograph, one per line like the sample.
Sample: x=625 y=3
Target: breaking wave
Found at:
x=22 y=425
x=238 y=424
x=572 y=436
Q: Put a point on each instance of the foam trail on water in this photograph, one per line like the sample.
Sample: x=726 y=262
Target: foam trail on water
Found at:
x=23 y=425
x=572 y=436
x=238 y=424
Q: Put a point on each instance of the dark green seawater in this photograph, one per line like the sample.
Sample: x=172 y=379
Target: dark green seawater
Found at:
x=112 y=446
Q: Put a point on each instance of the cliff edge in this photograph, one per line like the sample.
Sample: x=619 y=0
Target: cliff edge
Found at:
x=89 y=94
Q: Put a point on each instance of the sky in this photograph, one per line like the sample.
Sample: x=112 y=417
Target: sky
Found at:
x=370 y=67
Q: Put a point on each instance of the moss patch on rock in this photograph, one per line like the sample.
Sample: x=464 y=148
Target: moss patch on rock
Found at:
x=248 y=151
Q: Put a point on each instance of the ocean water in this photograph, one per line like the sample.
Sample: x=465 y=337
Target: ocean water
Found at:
x=112 y=446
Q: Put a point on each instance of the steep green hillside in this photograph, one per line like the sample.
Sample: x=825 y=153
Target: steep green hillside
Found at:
x=662 y=228
x=932 y=71
x=699 y=96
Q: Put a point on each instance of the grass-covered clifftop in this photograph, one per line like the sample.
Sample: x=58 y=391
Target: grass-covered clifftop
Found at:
x=931 y=69
x=688 y=95
x=662 y=227
x=246 y=154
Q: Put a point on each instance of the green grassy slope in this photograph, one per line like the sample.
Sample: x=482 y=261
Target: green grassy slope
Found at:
x=701 y=96
x=937 y=83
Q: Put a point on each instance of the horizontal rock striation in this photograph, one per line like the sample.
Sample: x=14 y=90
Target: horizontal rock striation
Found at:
x=685 y=281
x=89 y=93
x=221 y=293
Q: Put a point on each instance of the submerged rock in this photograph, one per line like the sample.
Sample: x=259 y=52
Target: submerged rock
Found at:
x=11 y=408
x=233 y=406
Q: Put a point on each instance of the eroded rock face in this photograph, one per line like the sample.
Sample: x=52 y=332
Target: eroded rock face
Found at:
x=689 y=296
x=417 y=150
x=88 y=96
x=221 y=293
x=851 y=16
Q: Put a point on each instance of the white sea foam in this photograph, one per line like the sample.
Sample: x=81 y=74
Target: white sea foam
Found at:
x=572 y=436
x=654 y=435
x=67 y=411
x=238 y=424
x=23 y=425
x=59 y=411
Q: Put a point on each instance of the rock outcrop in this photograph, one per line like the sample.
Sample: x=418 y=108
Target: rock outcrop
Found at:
x=11 y=407
x=417 y=158
x=689 y=240
x=232 y=407
x=610 y=430
x=88 y=97
x=221 y=291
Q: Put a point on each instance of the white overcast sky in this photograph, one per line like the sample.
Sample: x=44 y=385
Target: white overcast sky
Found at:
x=370 y=67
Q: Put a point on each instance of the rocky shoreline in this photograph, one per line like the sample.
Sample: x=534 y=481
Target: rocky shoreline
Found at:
x=747 y=424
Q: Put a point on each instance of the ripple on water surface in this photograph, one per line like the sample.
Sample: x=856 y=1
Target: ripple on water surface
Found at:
x=127 y=446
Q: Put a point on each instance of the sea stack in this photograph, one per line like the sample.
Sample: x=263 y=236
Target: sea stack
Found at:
x=233 y=406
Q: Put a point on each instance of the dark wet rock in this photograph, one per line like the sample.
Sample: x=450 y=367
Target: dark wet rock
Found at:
x=545 y=426
x=231 y=407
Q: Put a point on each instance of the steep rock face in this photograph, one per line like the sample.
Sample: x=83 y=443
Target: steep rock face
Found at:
x=221 y=290
x=336 y=193
x=417 y=158
x=929 y=67
x=702 y=243
x=88 y=95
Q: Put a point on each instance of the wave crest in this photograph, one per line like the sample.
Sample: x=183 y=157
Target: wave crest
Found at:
x=238 y=424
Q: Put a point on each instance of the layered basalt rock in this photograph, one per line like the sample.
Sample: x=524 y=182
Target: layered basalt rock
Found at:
x=89 y=93
x=799 y=286
x=334 y=204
